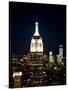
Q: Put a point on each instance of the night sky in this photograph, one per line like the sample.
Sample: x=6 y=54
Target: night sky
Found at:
x=52 y=26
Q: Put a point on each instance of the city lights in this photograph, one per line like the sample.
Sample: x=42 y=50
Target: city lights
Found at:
x=38 y=69
x=17 y=74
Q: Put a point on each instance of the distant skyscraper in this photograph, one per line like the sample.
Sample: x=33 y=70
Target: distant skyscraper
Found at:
x=60 y=55
x=36 y=44
x=61 y=50
x=51 y=57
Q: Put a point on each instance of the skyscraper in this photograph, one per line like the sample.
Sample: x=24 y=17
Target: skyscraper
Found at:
x=51 y=57
x=60 y=55
x=61 y=50
x=36 y=41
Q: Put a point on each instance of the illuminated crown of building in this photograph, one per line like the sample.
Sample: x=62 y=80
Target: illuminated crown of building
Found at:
x=36 y=44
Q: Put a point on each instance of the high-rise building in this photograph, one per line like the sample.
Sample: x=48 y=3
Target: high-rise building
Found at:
x=17 y=79
x=51 y=57
x=36 y=44
x=61 y=50
x=60 y=55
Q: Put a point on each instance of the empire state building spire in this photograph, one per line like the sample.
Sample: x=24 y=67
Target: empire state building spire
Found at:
x=36 y=29
x=36 y=44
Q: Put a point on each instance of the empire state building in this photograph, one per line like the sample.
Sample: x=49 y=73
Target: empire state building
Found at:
x=36 y=44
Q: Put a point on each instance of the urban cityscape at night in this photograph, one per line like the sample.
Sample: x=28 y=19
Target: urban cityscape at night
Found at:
x=37 y=45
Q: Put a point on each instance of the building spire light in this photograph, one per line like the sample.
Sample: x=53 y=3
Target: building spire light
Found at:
x=36 y=29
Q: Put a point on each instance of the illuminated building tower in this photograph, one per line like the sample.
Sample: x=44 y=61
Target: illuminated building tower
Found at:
x=37 y=60
x=61 y=50
x=36 y=41
x=51 y=57
x=17 y=79
x=60 y=55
